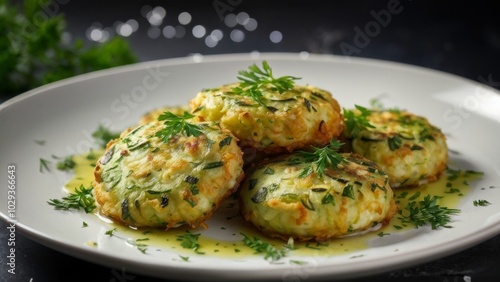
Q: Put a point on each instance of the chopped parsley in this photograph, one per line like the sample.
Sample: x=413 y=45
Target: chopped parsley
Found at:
x=190 y=241
x=110 y=232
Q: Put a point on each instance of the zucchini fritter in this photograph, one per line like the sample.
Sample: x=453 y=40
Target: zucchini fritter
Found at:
x=142 y=181
x=294 y=119
x=406 y=146
x=353 y=198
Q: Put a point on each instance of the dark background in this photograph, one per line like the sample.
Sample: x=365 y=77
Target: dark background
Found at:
x=457 y=37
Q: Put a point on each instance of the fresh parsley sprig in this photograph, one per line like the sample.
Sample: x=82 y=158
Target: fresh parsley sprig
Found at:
x=356 y=122
x=82 y=198
x=254 y=80
x=427 y=211
x=175 y=124
x=322 y=158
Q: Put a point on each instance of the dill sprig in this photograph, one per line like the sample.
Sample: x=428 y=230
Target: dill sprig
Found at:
x=259 y=246
x=427 y=211
x=175 y=124
x=356 y=122
x=322 y=158
x=255 y=80
x=82 y=198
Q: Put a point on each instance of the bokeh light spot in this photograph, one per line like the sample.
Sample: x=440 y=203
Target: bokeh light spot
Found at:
x=199 y=31
x=184 y=18
x=276 y=36
x=242 y=18
x=211 y=41
x=230 y=20
x=154 y=32
x=217 y=34
x=251 y=24
x=169 y=31
x=180 y=31
x=237 y=35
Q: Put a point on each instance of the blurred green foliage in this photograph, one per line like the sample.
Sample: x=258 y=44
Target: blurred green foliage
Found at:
x=32 y=52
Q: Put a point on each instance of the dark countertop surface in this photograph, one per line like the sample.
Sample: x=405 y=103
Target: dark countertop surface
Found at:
x=458 y=37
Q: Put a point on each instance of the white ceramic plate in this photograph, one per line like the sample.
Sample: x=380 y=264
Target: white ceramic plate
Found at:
x=64 y=114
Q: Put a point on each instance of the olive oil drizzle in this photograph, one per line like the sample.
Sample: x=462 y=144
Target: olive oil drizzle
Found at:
x=450 y=190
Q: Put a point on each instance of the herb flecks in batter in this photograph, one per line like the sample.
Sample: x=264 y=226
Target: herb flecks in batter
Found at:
x=322 y=158
x=256 y=80
x=175 y=124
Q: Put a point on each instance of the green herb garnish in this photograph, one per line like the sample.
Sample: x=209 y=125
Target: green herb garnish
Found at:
x=110 y=232
x=40 y=142
x=427 y=211
x=44 y=165
x=103 y=135
x=255 y=80
x=259 y=246
x=190 y=241
x=67 y=164
x=356 y=122
x=82 y=198
x=175 y=124
x=481 y=203
x=322 y=158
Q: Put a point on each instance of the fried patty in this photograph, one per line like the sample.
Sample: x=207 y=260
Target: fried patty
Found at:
x=284 y=122
x=281 y=202
x=142 y=181
x=407 y=147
